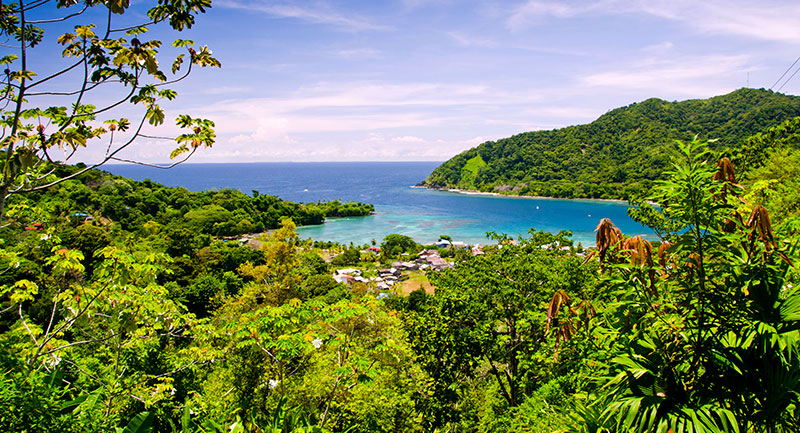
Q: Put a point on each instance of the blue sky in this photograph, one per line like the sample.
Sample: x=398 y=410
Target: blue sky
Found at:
x=426 y=79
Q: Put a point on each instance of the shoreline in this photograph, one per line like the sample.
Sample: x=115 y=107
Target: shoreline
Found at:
x=537 y=197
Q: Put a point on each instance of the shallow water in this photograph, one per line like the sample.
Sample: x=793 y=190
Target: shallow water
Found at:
x=399 y=208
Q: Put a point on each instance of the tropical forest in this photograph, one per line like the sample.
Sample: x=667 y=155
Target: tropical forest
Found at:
x=129 y=306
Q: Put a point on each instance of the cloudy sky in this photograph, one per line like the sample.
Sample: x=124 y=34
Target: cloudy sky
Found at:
x=326 y=80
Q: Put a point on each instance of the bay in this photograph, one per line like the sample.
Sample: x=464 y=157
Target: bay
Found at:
x=399 y=208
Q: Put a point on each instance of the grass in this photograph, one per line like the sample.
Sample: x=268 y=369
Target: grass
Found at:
x=416 y=279
x=470 y=170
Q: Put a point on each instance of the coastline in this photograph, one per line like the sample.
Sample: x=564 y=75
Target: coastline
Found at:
x=537 y=197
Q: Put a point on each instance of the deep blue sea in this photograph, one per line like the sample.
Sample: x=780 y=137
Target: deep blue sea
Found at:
x=420 y=213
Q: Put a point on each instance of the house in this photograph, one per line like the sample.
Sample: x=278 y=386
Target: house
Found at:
x=443 y=243
x=347 y=279
x=349 y=271
x=406 y=266
x=391 y=271
x=439 y=263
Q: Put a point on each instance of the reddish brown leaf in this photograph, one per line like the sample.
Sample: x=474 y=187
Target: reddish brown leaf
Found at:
x=759 y=221
x=725 y=171
x=640 y=251
x=663 y=253
x=608 y=235
x=560 y=297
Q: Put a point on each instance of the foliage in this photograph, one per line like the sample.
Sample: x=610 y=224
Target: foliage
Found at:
x=139 y=320
x=79 y=102
x=619 y=155
x=350 y=256
x=769 y=164
x=752 y=153
x=187 y=218
x=395 y=244
x=488 y=316
x=707 y=326
x=101 y=332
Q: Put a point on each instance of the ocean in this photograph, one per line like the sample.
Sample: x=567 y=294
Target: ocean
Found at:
x=399 y=208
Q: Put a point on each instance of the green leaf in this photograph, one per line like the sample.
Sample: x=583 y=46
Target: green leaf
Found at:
x=65 y=38
x=22 y=75
x=155 y=116
x=182 y=43
x=236 y=427
x=176 y=65
x=186 y=419
x=117 y=6
x=790 y=307
x=136 y=31
x=151 y=64
x=141 y=423
x=85 y=31
x=24 y=290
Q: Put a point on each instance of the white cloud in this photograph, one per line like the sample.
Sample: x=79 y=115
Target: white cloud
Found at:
x=763 y=20
x=366 y=121
x=534 y=10
x=471 y=41
x=226 y=90
x=352 y=53
x=408 y=139
x=318 y=13
x=659 y=48
x=367 y=147
x=691 y=76
x=413 y=5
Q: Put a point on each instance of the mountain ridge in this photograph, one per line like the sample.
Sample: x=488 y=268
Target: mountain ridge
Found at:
x=617 y=156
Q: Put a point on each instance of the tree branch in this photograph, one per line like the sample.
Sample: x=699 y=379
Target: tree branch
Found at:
x=157 y=165
x=58 y=20
x=22 y=317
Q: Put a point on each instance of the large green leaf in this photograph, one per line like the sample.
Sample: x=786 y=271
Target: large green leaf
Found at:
x=141 y=423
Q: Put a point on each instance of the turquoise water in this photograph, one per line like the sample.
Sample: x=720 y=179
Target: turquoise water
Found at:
x=399 y=208
x=474 y=216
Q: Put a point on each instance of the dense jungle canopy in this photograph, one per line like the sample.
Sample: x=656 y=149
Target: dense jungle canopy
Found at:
x=618 y=156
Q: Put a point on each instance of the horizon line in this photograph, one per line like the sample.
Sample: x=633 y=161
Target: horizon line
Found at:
x=263 y=162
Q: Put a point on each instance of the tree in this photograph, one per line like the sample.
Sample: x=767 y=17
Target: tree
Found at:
x=487 y=315
x=623 y=152
x=345 y=362
x=395 y=244
x=706 y=326
x=66 y=108
x=95 y=323
x=94 y=332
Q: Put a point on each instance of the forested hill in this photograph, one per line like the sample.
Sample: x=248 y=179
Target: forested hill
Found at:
x=130 y=205
x=619 y=155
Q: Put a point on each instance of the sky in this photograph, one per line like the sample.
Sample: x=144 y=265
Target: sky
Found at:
x=422 y=80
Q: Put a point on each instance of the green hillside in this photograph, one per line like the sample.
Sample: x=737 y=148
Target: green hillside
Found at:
x=619 y=155
x=129 y=205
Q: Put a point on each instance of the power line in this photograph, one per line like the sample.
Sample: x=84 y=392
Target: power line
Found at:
x=784 y=74
x=788 y=79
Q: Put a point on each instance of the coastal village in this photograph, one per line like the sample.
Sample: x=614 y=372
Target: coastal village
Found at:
x=391 y=278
